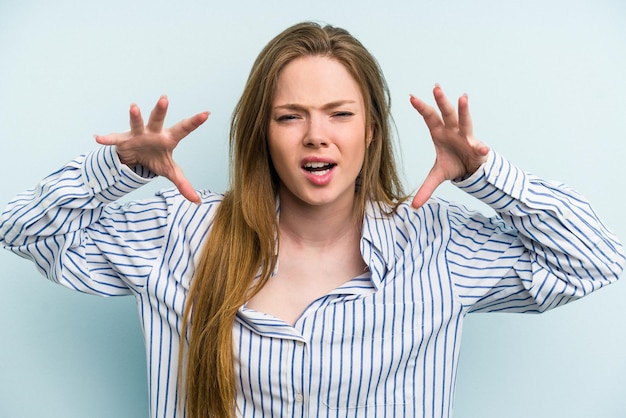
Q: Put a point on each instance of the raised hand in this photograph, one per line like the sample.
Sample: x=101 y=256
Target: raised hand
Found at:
x=151 y=146
x=458 y=153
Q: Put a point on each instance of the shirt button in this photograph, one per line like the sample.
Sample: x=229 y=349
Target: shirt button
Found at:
x=299 y=398
x=113 y=172
x=45 y=204
x=92 y=184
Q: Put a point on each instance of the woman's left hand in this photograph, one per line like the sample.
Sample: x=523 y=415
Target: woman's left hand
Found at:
x=458 y=153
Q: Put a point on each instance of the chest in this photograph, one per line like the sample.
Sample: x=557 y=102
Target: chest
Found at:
x=302 y=277
x=358 y=350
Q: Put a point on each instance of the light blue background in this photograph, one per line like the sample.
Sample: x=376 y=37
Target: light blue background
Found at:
x=547 y=86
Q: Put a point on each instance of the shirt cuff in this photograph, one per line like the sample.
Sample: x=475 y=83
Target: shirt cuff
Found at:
x=106 y=178
x=497 y=182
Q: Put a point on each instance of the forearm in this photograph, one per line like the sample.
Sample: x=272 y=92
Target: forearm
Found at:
x=565 y=241
x=69 y=198
x=67 y=224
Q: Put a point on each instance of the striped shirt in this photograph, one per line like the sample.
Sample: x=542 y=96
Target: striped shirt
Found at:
x=385 y=343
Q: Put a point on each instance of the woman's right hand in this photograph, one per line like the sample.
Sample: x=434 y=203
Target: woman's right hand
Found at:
x=152 y=147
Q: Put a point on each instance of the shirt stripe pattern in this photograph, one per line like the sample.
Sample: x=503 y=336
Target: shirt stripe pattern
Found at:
x=384 y=344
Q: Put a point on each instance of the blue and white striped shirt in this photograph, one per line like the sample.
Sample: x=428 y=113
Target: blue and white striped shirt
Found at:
x=384 y=344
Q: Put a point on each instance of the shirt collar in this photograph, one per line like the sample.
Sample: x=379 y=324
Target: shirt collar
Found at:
x=378 y=240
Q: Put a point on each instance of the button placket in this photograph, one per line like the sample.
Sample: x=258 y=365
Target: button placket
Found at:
x=300 y=356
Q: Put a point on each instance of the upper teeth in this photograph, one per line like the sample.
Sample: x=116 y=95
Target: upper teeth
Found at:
x=315 y=165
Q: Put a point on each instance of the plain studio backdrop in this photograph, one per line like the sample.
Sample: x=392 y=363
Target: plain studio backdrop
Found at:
x=547 y=88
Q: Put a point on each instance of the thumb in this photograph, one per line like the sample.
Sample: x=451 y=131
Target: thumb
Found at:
x=434 y=178
x=184 y=186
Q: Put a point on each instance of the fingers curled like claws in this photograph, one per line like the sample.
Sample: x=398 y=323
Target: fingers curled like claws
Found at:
x=458 y=152
x=152 y=145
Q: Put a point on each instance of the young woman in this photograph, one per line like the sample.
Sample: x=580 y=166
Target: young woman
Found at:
x=311 y=287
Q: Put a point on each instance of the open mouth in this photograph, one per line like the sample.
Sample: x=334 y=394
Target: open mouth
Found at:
x=318 y=168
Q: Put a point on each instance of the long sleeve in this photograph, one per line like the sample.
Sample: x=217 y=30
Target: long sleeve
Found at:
x=78 y=234
x=547 y=247
x=71 y=228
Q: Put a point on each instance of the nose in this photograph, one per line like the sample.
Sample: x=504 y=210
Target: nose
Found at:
x=317 y=132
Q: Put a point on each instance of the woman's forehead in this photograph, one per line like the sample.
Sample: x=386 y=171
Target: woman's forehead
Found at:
x=316 y=81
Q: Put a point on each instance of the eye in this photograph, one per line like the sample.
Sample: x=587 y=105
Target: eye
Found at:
x=286 y=118
x=343 y=114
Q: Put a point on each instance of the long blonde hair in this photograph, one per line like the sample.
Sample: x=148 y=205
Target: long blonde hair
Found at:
x=243 y=240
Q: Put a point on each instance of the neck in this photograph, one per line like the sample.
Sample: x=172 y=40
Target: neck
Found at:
x=318 y=226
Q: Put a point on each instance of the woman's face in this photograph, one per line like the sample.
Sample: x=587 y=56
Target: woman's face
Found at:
x=317 y=134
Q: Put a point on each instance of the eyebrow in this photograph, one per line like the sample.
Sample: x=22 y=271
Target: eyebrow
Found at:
x=327 y=106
